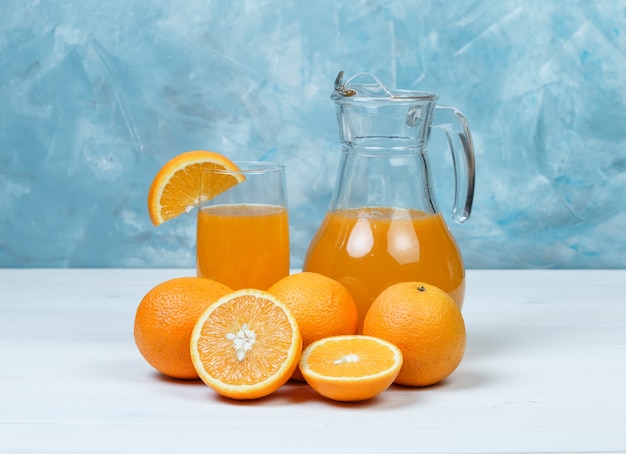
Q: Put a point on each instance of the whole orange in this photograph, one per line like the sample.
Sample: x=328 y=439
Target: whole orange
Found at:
x=425 y=324
x=322 y=306
x=165 y=319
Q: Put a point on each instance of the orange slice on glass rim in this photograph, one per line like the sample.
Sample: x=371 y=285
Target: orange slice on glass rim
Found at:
x=246 y=344
x=351 y=367
x=178 y=186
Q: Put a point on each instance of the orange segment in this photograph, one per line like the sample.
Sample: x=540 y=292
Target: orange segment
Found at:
x=178 y=186
x=246 y=345
x=350 y=368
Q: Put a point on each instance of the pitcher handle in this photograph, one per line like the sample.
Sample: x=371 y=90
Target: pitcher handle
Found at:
x=459 y=136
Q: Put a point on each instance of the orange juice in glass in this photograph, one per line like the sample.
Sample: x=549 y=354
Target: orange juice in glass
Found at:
x=243 y=234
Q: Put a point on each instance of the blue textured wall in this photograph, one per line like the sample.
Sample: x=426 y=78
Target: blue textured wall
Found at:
x=96 y=95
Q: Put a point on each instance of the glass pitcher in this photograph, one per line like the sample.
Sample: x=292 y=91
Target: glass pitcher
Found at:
x=383 y=225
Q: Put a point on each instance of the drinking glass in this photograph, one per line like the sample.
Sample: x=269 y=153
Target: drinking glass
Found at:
x=242 y=236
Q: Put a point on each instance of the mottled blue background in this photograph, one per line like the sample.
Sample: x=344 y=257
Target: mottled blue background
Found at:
x=96 y=95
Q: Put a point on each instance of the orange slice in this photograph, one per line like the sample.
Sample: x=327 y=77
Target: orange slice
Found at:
x=350 y=368
x=246 y=344
x=178 y=186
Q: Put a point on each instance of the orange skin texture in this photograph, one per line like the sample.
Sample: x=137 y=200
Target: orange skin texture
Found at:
x=322 y=306
x=425 y=323
x=165 y=319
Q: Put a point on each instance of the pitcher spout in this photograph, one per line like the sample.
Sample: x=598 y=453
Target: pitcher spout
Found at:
x=367 y=87
x=370 y=113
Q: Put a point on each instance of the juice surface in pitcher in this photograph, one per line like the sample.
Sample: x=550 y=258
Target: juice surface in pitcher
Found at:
x=243 y=246
x=367 y=249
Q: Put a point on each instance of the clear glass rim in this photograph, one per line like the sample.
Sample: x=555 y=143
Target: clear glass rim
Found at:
x=353 y=91
x=251 y=168
x=396 y=97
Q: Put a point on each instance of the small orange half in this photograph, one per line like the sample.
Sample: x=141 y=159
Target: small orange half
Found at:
x=178 y=186
x=246 y=345
x=351 y=367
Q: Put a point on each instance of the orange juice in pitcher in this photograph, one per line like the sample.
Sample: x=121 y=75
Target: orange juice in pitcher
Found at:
x=368 y=249
x=383 y=225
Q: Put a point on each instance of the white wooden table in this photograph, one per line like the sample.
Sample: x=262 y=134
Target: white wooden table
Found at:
x=544 y=371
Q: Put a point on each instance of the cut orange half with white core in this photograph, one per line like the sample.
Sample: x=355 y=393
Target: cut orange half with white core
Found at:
x=178 y=186
x=246 y=345
x=350 y=368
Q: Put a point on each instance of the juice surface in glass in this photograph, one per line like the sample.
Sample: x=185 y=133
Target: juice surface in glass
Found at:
x=368 y=249
x=243 y=246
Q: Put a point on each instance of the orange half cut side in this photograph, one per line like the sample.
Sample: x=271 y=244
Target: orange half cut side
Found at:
x=246 y=345
x=350 y=368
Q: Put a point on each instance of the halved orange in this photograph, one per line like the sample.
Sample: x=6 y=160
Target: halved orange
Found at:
x=178 y=186
x=350 y=368
x=246 y=344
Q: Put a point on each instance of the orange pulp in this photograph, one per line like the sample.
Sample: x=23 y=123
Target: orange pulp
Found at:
x=243 y=246
x=368 y=249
